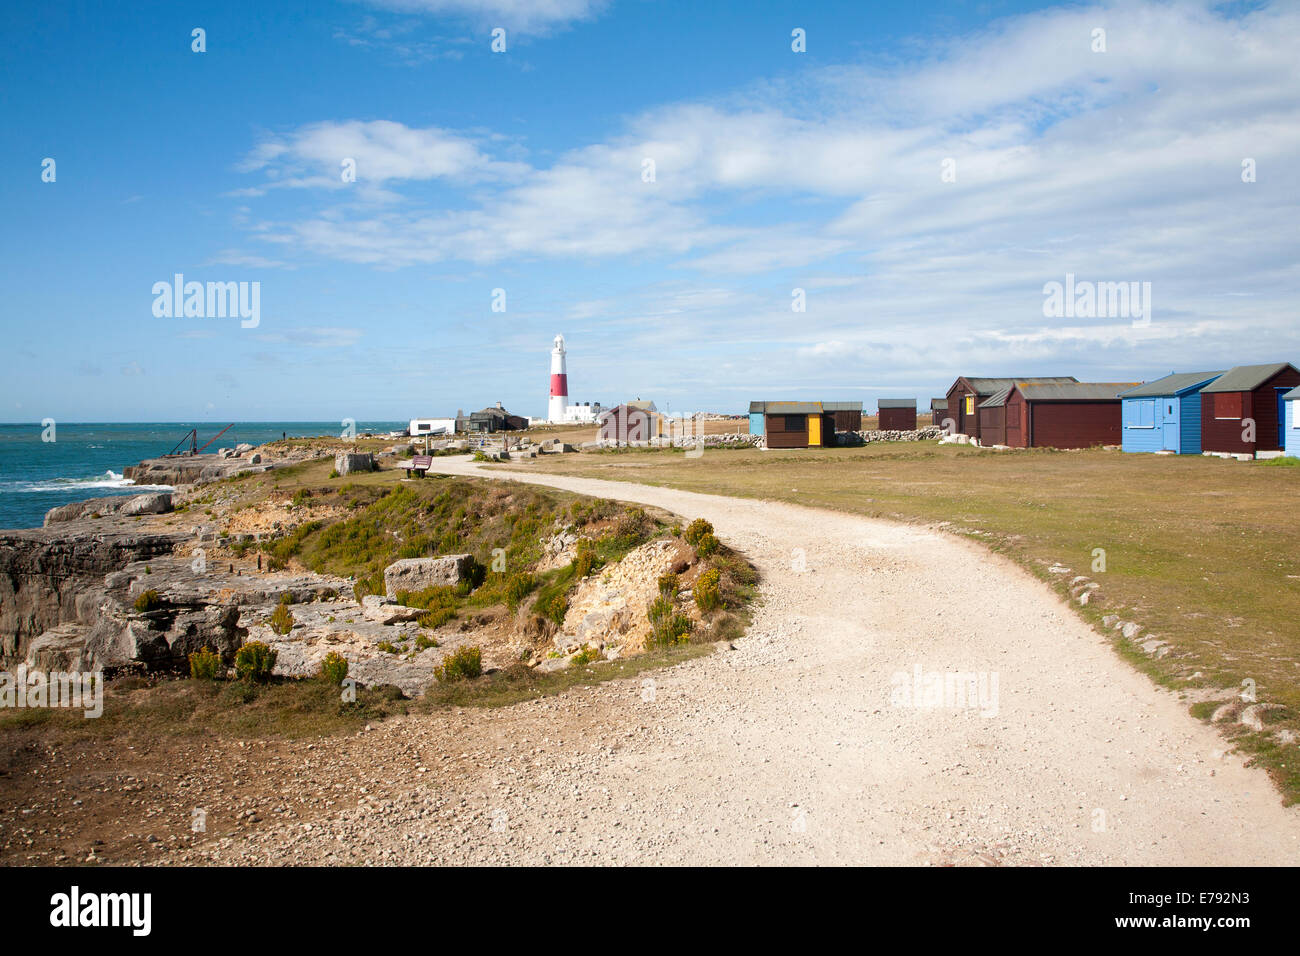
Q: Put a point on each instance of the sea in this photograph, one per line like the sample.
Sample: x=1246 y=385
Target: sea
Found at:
x=88 y=460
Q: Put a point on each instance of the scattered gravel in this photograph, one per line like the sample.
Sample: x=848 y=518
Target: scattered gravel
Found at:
x=793 y=747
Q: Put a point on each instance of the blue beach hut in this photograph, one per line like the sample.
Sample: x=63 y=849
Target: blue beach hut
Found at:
x=1165 y=415
x=1292 y=432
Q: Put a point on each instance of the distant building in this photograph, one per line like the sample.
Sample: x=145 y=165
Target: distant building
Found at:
x=938 y=410
x=494 y=419
x=1244 y=408
x=1165 y=415
x=630 y=423
x=1055 y=415
x=897 y=414
x=803 y=424
x=431 y=426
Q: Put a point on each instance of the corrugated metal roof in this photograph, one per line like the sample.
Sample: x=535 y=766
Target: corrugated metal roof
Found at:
x=1245 y=378
x=1077 y=392
x=896 y=403
x=793 y=408
x=841 y=406
x=1171 y=384
x=757 y=407
x=998 y=398
x=938 y=404
x=1293 y=394
x=987 y=386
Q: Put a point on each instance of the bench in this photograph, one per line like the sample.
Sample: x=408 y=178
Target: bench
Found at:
x=417 y=465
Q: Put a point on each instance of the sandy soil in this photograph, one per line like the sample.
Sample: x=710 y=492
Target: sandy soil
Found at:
x=793 y=747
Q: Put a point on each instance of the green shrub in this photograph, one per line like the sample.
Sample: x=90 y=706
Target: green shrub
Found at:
x=388 y=647
x=708 y=545
x=585 y=559
x=205 y=664
x=437 y=617
x=254 y=662
x=302 y=497
x=667 y=625
x=282 y=619
x=554 y=608
x=147 y=601
x=708 y=590
x=464 y=664
x=696 y=530
x=334 y=473
x=669 y=585
x=333 y=668
x=518 y=587
x=423 y=643
x=585 y=656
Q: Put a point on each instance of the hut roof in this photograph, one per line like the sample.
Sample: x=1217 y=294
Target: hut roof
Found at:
x=1076 y=392
x=1246 y=378
x=1171 y=384
x=987 y=386
x=896 y=403
x=793 y=408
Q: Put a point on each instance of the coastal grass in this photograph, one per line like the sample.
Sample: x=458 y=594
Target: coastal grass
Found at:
x=1201 y=552
x=140 y=708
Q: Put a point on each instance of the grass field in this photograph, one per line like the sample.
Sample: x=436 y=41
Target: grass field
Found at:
x=1203 y=553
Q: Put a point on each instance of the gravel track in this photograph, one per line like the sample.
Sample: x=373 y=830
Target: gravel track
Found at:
x=789 y=749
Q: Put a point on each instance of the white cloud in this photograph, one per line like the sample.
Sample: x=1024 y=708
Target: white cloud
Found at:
x=1123 y=165
x=526 y=16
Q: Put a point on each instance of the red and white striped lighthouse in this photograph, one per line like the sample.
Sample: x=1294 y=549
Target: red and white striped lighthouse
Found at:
x=559 y=383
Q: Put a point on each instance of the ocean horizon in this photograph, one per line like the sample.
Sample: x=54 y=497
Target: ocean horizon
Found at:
x=89 y=459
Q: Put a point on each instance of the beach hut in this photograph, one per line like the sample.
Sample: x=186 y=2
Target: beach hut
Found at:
x=847 y=416
x=1291 y=440
x=1165 y=414
x=897 y=414
x=1243 y=409
x=756 y=410
x=797 y=425
x=938 y=410
x=967 y=393
x=1062 y=415
x=631 y=423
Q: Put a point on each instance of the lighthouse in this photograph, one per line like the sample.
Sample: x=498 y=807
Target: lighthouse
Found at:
x=555 y=411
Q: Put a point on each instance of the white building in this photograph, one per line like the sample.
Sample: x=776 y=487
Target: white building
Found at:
x=431 y=426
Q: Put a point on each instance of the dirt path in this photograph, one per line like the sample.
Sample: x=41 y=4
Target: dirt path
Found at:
x=789 y=749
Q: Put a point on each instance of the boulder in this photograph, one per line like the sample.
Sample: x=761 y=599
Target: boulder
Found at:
x=381 y=610
x=346 y=462
x=416 y=574
x=156 y=503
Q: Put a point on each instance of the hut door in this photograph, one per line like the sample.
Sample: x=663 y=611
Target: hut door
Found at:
x=1169 y=425
x=814 y=430
x=1281 y=417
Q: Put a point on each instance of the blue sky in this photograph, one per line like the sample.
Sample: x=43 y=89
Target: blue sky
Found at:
x=522 y=170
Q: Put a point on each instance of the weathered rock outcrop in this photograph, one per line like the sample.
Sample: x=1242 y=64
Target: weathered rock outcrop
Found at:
x=188 y=469
x=152 y=503
x=51 y=578
x=416 y=574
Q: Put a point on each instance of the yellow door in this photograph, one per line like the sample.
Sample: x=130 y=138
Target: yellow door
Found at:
x=814 y=429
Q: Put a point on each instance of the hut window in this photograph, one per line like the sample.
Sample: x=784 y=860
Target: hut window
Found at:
x=970 y=404
x=793 y=423
x=1227 y=405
